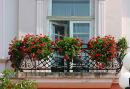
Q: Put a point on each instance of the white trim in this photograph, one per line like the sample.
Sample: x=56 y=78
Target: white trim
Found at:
x=40 y=27
x=3 y=31
x=50 y=8
x=101 y=18
x=90 y=8
x=71 y=27
x=2 y=17
x=51 y=27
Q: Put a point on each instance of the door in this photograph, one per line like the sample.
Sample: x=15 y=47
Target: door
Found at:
x=81 y=29
x=59 y=30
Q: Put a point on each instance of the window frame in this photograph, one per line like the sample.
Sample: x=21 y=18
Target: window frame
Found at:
x=89 y=19
x=72 y=27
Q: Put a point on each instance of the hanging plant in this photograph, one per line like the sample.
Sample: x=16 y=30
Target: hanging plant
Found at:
x=102 y=50
x=37 y=47
x=69 y=47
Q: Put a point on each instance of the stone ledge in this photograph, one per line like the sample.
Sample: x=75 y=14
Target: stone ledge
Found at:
x=4 y=60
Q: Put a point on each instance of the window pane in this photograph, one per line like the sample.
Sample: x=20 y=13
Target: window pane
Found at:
x=81 y=27
x=71 y=7
x=82 y=31
x=84 y=37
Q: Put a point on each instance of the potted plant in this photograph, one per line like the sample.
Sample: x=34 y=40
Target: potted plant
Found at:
x=69 y=48
x=122 y=47
x=102 y=50
x=16 y=54
x=37 y=47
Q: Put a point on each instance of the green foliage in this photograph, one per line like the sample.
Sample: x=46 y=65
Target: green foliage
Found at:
x=25 y=84
x=7 y=83
x=122 y=47
x=37 y=47
x=102 y=50
x=69 y=47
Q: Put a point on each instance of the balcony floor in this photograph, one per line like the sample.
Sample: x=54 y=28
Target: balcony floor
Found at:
x=114 y=86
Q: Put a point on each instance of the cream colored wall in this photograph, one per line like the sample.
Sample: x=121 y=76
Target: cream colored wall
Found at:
x=126 y=20
x=8 y=27
x=1 y=26
x=113 y=17
x=27 y=17
x=8 y=24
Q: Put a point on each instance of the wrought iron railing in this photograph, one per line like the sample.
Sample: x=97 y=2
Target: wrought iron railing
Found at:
x=56 y=63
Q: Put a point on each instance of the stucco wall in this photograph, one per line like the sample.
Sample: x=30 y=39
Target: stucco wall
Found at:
x=126 y=20
x=113 y=17
x=8 y=24
x=27 y=16
x=1 y=26
x=8 y=27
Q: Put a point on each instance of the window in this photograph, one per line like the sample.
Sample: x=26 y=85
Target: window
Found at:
x=73 y=18
x=81 y=29
x=71 y=7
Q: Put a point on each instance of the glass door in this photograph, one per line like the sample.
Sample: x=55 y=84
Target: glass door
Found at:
x=81 y=29
x=58 y=31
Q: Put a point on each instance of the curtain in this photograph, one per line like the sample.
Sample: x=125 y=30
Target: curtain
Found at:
x=82 y=31
x=71 y=7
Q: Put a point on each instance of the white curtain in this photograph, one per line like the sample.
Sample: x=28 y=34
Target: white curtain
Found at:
x=71 y=7
x=82 y=31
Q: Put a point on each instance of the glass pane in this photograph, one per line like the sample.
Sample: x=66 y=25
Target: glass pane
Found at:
x=81 y=27
x=71 y=7
x=84 y=37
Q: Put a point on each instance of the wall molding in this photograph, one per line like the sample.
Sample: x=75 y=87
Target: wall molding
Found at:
x=101 y=18
x=40 y=13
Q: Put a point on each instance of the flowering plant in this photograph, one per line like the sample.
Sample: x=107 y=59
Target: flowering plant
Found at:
x=102 y=50
x=69 y=47
x=35 y=46
x=15 y=53
x=122 y=47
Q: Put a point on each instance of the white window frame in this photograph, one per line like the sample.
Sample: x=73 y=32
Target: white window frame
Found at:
x=72 y=29
x=51 y=27
x=73 y=19
x=99 y=17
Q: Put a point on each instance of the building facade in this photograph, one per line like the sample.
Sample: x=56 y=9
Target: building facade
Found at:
x=57 y=18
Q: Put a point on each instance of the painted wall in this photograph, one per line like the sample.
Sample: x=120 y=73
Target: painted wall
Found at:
x=10 y=22
x=126 y=20
x=27 y=16
x=113 y=17
x=8 y=26
x=1 y=27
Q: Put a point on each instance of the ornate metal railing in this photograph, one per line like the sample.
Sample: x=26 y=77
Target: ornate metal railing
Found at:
x=56 y=63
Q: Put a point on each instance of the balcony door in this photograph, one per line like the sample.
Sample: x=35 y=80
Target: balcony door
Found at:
x=81 y=29
x=59 y=29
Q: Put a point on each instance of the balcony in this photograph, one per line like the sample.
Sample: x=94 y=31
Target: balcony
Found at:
x=61 y=68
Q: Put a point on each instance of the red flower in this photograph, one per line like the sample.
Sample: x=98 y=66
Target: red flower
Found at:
x=101 y=66
x=60 y=50
x=33 y=55
x=52 y=43
x=97 y=55
x=42 y=45
x=66 y=57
